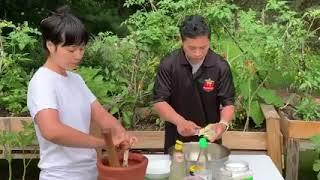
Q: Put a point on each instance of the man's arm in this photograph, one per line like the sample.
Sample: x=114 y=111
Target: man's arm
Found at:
x=226 y=114
x=166 y=112
x=184 y=127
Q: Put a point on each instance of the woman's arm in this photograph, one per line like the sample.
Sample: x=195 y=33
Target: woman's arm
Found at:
x=105 y=120
x=53 y=130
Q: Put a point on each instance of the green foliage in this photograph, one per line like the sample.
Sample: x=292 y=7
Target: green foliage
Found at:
x=13 y=61
x=97 y=15
x=316 y=164
x=308 y=109
x=95 y=82
x=121 y=75
x=20 y=139
x=120 y=71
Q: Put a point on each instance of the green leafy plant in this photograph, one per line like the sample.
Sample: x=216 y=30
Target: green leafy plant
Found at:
x=123 y=76
x=316 y=164
x=25 y=138
x=13 y=59
x=251 y=76
x=308 y=109
x=20 y=139
x=8 y=141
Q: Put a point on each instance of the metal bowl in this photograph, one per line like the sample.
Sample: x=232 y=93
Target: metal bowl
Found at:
x=217 y=155
x=216 y=152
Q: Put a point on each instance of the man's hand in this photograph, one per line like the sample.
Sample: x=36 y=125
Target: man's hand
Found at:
x=214 y=131
x=187 y=128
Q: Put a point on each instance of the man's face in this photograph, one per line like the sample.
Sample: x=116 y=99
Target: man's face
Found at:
x=196 y=48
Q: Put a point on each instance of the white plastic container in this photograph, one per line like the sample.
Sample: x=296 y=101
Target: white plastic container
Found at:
x=158 y=167
x=235 y=170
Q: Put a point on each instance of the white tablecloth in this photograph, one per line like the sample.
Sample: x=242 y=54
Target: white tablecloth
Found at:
x=262 y=166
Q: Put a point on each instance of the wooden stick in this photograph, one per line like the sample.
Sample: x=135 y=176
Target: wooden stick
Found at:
x=112 y=154
x=125 y=158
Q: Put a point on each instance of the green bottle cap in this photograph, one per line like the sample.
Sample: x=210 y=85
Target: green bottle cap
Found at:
x=203 y=142
x=248 y=178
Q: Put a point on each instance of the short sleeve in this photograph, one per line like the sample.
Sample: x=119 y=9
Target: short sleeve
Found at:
x=41 y=95
x=162 y=86
x=226 y=89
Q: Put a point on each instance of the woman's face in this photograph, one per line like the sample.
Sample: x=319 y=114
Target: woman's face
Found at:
x=66 y=57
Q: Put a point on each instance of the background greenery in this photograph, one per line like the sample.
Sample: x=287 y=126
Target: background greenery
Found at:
x=272 y=46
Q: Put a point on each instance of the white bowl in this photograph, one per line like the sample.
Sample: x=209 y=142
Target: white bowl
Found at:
x=158 y=167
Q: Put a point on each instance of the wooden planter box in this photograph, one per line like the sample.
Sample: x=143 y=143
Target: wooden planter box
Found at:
x=298 y=129
x=270 y=141
x=13 y=124
x=297 y=134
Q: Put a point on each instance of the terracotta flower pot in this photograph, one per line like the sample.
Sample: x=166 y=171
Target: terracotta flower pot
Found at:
x=136 y=169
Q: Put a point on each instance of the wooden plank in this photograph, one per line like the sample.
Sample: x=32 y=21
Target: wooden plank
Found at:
x=236 y=140
x=274 y=138
x=232 y=139
x=284 y=125
x=245 y=140
x=16 y=123
x=292 y=163
x=305 y=144
x=298 y=128
x=13 y=124
x=302 y=129
x=149 y=139
x=29 y=152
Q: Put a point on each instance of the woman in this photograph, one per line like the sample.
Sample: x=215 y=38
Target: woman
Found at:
x=62 y=106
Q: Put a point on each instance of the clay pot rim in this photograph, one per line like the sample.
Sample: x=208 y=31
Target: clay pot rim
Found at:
x=144 y=161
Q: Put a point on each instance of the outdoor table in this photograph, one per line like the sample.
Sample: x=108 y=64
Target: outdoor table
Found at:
x=262 y=166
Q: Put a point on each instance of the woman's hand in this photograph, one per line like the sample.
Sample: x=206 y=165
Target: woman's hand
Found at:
x=122 y=139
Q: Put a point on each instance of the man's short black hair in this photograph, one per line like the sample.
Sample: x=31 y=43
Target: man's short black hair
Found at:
x=64 y=28
x=194 y=26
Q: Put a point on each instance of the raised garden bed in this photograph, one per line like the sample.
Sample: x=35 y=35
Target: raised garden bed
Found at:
x=153 y=141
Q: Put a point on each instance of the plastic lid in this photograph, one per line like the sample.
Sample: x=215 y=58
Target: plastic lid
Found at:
x=248 y=178
x=194 y=168
x=178 y=146
x=203 y=142
x=236 y=166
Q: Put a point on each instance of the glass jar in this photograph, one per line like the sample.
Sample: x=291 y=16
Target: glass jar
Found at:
x=235 y=170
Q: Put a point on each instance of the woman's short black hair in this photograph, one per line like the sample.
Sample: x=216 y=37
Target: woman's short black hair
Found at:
x=64 y=28
x=194 y=26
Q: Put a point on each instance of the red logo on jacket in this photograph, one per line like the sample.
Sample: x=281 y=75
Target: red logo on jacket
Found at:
x=208 y=85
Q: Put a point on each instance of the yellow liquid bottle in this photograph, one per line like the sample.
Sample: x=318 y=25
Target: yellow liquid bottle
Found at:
x=178 y=165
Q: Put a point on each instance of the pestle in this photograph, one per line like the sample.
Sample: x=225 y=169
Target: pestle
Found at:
x=112 y=154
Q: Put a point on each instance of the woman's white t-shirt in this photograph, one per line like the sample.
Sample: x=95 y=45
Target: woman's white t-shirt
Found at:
x=72 y=98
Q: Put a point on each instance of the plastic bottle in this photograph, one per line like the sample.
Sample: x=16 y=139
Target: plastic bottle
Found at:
x=202 y=159
x=202 y=165
x=178 y=166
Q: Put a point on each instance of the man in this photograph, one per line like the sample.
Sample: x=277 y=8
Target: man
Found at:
x=194 y=87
